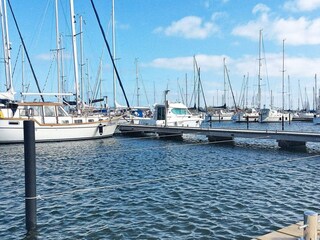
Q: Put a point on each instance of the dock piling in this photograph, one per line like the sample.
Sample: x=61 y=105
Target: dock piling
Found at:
x=30 y=175
x=310 y=225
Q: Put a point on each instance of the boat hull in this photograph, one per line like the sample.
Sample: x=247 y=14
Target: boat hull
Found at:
x=12 y=131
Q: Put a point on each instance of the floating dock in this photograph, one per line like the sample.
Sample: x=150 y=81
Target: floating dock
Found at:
x=285 y=139
x=292 y=232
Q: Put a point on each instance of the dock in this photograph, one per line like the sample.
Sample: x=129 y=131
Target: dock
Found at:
x=292 y=232
x=285 y=139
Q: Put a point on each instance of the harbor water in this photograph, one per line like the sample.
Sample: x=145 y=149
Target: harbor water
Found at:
x=149 y=188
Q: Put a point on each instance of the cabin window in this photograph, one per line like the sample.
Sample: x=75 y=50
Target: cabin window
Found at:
x=161 y=113
x=61 y=112
x=49 y=111
x=91 y=120
x=32 y=111
x=78 y=121
x=24 y=112
x=179 y=111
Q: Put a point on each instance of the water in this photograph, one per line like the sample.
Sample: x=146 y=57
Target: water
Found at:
x=129 y=188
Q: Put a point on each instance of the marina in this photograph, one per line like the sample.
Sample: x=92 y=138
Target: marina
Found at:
x=121 y=125
x=151 y=187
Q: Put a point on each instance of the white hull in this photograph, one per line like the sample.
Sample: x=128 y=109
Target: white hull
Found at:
x=187 y=122
x=55 y=132
x=244 y=117
x=178 y=115
x=57 y=127
x=271 y=116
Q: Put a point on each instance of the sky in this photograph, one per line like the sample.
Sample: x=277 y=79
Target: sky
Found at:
x=157 y=41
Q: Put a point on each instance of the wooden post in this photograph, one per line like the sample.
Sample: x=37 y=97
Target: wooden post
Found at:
x=310 y=225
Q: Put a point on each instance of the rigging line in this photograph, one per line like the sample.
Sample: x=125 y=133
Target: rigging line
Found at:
x=110 y=54
x=53 y=59
x=25 y=50
x=173 y=177
x=16 y=61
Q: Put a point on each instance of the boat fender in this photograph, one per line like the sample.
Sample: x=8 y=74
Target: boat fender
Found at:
x=1 y=114
x=100 y=129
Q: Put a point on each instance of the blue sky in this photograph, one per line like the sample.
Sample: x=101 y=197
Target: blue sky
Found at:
x=164 y=35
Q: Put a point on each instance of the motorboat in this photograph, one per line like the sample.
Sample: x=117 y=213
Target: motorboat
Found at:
x=273 y=115
x=248 y=115
x=176 y=114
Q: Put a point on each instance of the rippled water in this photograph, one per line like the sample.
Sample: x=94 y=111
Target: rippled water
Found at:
x=129 y=188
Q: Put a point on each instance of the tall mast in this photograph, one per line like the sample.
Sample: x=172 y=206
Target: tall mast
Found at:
x=315 y=93
x=114 y=55
x=75 y=57
x=61 y=61
x=81 y=60
x=259 y=72
x=58 y=48
x=283 y=74
x=186 y=89
x=6 y=46
x=137 y=82
x=224 y=82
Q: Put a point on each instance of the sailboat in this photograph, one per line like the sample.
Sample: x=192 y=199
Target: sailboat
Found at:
x=52 y=121
x=271 y=114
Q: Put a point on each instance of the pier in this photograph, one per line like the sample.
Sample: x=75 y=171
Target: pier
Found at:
x=308 y=229
x=285 y=139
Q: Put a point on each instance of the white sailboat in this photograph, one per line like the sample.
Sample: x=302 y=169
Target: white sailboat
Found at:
x=271 y=114
x=52 y=122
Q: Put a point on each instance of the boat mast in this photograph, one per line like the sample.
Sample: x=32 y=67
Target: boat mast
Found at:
x=6 y=46
x=224 y=83
x=283 y=74
x=315 y=93
x=114 y=55
x=58 y=49
x=259 y=72
x=61 y=61
x=137 y=82
x=75 y=57
x=81 y=60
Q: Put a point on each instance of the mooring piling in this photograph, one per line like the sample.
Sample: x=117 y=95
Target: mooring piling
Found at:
x=30 y=175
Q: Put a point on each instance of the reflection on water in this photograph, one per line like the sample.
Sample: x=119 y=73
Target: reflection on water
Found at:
x=129 y=188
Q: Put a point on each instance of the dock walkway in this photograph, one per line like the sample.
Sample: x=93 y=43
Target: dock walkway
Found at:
x=292 y=232
x=285 y=139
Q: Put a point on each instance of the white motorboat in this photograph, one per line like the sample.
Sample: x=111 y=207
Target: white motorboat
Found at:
x=52 y=123
x=250 y=115
x=273 y=115
x=175 y=115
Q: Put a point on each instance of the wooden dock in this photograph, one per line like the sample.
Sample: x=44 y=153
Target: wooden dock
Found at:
x=292 y=232
x=285 y=139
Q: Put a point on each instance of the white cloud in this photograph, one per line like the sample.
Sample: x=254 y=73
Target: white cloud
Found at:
x=302 y=5
x=300 y=31
x=260 y=8
x=190 y=27
x=205 y=62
